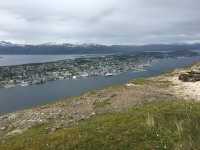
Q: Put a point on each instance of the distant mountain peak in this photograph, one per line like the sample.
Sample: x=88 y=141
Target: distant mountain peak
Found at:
x=5 y=43
x=87 y=48
x=10 y=44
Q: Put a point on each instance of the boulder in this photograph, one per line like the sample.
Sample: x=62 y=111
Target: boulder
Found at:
x=191 y=76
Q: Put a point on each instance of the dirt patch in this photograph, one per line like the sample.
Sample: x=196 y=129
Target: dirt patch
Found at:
x=186 y=90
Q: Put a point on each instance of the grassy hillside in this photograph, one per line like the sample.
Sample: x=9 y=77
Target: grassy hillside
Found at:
x=145 y=113
x=154 y=125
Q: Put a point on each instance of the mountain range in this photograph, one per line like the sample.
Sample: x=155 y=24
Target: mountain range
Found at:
x=67 y=48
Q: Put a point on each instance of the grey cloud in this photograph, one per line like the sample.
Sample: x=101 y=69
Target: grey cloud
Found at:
x=105 y=21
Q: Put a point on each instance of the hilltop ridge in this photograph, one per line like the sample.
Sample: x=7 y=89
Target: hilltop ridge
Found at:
x=144 y=113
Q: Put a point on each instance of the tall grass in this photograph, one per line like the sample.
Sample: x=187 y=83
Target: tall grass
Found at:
x=156 y=125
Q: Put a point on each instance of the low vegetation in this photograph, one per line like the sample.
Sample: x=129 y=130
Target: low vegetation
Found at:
x=146 y=113
x=154 y=125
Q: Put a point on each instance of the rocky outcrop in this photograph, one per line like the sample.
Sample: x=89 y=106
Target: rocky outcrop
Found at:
x=192 y=76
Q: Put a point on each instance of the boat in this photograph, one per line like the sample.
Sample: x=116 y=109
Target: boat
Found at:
x=9 y=86
x=24 y=84
x=108 y=74
x=74 y=77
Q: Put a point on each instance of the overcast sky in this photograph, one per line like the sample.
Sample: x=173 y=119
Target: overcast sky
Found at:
x=100 y=21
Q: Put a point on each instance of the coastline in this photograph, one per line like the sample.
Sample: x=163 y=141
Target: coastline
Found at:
x=83 y=67
x=95 y=102
x=134 y=98
x=35 y=95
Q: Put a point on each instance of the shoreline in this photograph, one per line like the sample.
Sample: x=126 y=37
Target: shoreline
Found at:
x=82 y=67
x=37 y=95
x=140 y=104
x=40 y=73
x=74 y=109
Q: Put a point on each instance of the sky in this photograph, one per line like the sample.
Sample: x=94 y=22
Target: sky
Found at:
x=100 y=21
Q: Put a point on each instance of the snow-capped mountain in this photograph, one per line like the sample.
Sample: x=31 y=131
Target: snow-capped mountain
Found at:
x=67 y=48
x=4 y=43
x=10 y=44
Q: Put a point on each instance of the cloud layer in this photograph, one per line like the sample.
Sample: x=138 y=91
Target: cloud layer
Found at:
x=100 y=21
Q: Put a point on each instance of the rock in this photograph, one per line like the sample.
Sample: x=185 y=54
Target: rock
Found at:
x=15 y=132
x=3 y=128
x=130 y=84
x=93 y=113
x=191 y=76
x=3 y=117
x=53 y=129
x=184 y=77
x=12 y=117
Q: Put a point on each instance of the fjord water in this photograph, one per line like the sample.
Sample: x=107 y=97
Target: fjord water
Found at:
x=8 y=60
x=26 y=97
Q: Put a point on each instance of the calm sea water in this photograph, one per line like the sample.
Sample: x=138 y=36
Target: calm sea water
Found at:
x=8 y=60
x=26 y=97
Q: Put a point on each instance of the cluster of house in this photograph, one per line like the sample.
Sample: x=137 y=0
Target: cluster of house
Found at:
x=28 y=74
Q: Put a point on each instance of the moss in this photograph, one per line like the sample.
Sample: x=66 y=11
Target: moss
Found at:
x=157 y=125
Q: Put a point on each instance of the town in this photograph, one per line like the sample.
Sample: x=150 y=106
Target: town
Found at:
x=109 y=65
x=83 y=67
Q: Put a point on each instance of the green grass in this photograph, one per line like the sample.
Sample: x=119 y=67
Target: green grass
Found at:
x=140 y=81
x=156 y=125
x=146 y=81
x=102 y=103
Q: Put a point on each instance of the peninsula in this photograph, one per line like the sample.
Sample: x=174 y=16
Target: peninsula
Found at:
x=102 y=65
